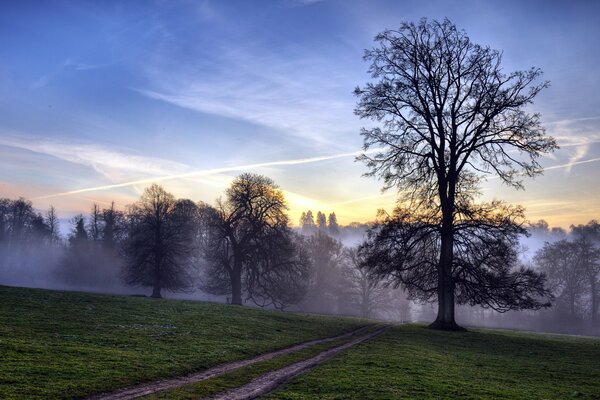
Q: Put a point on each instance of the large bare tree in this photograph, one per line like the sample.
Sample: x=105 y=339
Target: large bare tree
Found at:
x=160 y=245
x=447 y=115
x=249 y=247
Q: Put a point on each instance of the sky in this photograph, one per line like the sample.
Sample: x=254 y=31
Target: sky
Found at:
x=100 y=99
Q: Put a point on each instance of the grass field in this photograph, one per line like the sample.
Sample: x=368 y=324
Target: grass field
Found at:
x=68 y=345
x=411 y=362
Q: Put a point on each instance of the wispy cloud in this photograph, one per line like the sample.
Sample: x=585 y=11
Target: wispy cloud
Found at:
x=106 y=161
x=575 y=136
x=207 y=172
x=299 y=92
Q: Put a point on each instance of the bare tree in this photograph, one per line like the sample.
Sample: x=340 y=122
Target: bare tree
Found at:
x=485 y=267
x=326 y=281
x=448 y=115
x=53 y=224
x=587 y=240
x=249 y=247
x=95 y=223
x=160 y=245
x=561 y=261
x=367 y=291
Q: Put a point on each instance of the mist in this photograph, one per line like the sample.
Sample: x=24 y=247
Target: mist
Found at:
x=35 y=252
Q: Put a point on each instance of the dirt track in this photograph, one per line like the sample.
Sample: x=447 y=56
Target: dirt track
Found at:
x=271 y=380
x=166 y=384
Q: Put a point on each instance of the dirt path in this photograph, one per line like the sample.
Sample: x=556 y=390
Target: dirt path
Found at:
x=271 y=380
x=166 y=384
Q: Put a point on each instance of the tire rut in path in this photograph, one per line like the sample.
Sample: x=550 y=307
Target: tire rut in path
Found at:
x=272 y=380
x=167 y=384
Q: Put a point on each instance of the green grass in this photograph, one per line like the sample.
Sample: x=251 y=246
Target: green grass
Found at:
x=69 y=345
x=244 y=375
x=411 y=362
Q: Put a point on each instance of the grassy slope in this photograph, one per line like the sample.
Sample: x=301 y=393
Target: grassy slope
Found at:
x=241 y=376
x=66 y=345
x=413 y=362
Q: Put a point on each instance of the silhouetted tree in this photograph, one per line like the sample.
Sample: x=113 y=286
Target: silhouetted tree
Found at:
x=326 y=282
x=367 y=291
x=321 y=221
x=19 y=221
x=160 y=244
x=249 y=247
x=587 y=240
x=573 y=268
x=95 y=223
x=114 y=227
x=79 y=233
x=39 y=230
x=27 y=250
x=447 y=114
x=485 y=269
x=307 y=223
x=77 y=264
x=53 y=225
x=560 y=261
x=334 y=228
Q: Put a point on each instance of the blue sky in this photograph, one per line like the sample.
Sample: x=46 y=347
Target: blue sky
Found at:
x=99 y=94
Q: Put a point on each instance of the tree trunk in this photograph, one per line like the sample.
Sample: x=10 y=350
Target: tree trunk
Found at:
x=445 y=317
x=156 y=291
x=594 y=305
x=236 y=286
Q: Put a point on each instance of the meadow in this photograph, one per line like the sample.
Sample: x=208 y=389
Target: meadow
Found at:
x=64 y=345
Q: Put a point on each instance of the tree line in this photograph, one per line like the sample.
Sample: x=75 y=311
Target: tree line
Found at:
x=572 y=265
x=241 y=247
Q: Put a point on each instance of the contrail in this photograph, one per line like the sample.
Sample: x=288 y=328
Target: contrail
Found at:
x=205 y=172
x=591 y=160
x=214 y=171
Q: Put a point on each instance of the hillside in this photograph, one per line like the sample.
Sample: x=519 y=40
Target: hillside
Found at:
x=411 y=362
x=73 y=345
x=67 y=344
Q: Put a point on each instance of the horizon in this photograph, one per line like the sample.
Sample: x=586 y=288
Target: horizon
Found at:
x=100 y=101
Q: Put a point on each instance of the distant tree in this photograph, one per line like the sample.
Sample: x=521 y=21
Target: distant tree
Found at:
x=20 y=217
x=77 y=264
x=95 y=223
x=367 y=291
x=334 y=228
x=326 y=283
x=249 y=248
x=447 y=114
x=307 y=222
x=160 y=244
x=114 y=227
x=79 y=233
x=51 y=221
x=542 y=230
x=26 y=246
x=561 y=261
x=321 y=221
x=39 y=230
x=587 y=240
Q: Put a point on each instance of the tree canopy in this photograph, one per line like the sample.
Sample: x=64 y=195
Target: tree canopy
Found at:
x=446 y=116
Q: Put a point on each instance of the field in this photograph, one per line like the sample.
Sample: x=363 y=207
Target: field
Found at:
x=68 y=345
x=71 y=345
x=412 y=362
